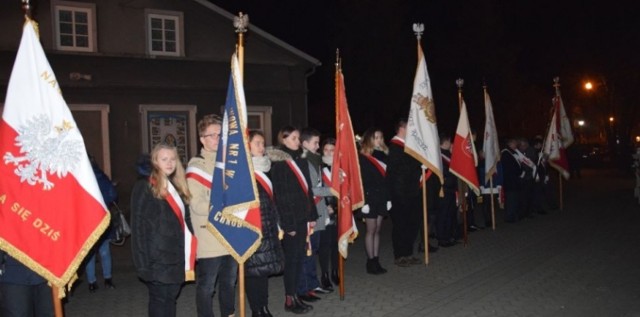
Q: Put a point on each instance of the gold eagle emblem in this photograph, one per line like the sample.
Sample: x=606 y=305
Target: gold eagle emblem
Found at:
x=426 y=104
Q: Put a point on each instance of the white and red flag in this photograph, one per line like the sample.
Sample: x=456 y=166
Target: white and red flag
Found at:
x=346 y=182
x=422 y=141
x=51 y=208
x=559 y=138
x=490 y=145
x=463 y=154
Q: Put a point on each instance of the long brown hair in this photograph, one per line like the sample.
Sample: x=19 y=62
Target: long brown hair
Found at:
x=159 y=180
x=368 y=143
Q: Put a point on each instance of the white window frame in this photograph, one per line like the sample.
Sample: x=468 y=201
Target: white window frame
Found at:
x=90 y=9
x=264 y=112
x=178 y=18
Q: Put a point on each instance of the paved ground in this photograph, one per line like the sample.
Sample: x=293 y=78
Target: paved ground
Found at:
x=583 y=261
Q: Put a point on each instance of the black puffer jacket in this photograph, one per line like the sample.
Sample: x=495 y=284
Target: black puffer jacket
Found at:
x=294 y=205
x=157 y=240
x=269 y=258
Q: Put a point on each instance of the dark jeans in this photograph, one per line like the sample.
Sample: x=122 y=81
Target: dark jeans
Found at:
x=446 y=216
x=257 y=289
x=308 y=279
x=294 y=252
x=221 y=270
x=511 y=205
x=405 y=216
x=162 y=299
x=25 y=300
x=328 y=251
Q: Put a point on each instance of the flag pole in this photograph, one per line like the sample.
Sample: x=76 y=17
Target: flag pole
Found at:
x=241 y=22
x=425 y=213
x=462 y=186
x=57 y=304
x=556 y=85
x=339 y=211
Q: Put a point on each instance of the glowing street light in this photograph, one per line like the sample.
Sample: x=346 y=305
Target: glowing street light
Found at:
x=581 y=123
x=588 y=85
x=611 y=119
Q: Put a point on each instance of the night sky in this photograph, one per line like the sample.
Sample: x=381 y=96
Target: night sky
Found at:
x=516 y=48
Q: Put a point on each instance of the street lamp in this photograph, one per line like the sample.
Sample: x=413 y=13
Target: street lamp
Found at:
x=588 y=85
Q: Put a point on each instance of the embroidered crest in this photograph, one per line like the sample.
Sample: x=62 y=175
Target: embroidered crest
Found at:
x=42 y=153
x=426 y=104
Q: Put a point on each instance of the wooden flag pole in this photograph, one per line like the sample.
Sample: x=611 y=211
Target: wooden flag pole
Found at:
x=425 y=217
x=241 y=22
x=462 y=186
x=493 y=209
x=339 y=211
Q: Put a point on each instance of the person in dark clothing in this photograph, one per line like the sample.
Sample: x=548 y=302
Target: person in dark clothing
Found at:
x=23 y=292
x=511 y=180
x=446 y=206
x=294 y=200
x=269 y=258
x=160 y=230
x=328 y=252
x=403 y=178
x=373 y=169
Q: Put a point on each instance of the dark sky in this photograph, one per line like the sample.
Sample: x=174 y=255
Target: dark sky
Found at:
x=516 y=47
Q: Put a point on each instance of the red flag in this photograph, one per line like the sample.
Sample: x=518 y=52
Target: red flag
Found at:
x=559 y=138
x=463 y=154
x=346 y=182
x=51 y=208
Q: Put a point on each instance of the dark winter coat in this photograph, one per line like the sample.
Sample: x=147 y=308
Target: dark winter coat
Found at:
x=17 y=273
x=512 y=171
x=450 y=181
x=403 y=174
x=376 y=192
x=157 y=239
x=269 y=258
x=295 y=207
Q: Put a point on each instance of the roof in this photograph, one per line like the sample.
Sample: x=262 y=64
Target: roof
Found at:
x=261 y=32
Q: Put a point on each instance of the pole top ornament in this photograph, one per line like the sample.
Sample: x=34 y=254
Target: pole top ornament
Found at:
x=418 y=29
x=241 y=22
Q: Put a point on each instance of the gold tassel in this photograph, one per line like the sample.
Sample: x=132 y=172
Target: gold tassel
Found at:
x=189 y=275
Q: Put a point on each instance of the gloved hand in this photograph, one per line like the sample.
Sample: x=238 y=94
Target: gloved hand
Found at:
x=388 y=205
x=365 y=209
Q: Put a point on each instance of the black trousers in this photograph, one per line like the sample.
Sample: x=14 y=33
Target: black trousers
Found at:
x=328 y=252
x=405 y=216
x=446 y=216
x=162 y=299
x=294 y=252
x=257 y=289
x=26 y=300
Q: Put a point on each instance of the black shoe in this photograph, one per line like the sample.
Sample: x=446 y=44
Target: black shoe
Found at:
x=108 y=284
x=472 y=228
x=309 y=297
x=263 y=312
x=302 y=303
x=322 y=290
x=433 y=249
x=291 y=304
x=446 y=244
x=335 y=277
x=371 y=267
x=379 y=267
x=93 y=287
x=325 y=282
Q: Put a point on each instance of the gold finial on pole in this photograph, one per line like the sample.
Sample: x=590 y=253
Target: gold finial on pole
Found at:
x=241 y=23
x=556 y=85
x=26 y=6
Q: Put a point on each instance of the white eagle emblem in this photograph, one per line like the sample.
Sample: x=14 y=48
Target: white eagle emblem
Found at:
x=42 y=153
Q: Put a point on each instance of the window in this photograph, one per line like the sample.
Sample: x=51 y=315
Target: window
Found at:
x=75 y=26
x=173 y=124
x=164 y=33
x=259 y=118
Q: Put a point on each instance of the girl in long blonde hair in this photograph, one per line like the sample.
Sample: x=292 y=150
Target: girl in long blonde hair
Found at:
x=159 y=177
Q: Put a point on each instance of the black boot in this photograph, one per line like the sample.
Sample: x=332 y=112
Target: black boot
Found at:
x=325 y=282
x=302 y=303
x=335 y=277
x=379 y=267
x=108 y=283
x=371 y=267
x=265 y=312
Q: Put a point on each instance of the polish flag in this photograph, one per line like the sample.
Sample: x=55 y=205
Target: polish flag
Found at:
x=463 y=154
x=51 y=208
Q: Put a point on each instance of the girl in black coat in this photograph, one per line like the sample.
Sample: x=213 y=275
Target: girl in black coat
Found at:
x=294 y=199
x=373 y=158
x=269 y=258
x=157 y=233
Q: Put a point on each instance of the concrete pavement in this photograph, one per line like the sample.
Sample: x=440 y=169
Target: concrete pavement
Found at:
x=583 y=261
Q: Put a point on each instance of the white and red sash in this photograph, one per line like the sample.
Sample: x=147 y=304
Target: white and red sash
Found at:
x=199 y=175
x=301 y=180
x=326 y=176
x=445 y=159
x=378 y=164
x=397 y=141
x=265 y=182
x=190 y=242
